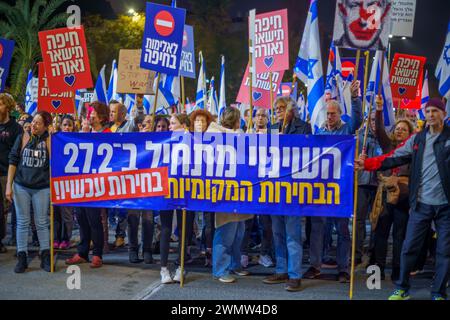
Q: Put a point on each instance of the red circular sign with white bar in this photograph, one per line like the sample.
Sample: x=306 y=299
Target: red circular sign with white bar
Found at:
x=164 y=23
x=1 y=50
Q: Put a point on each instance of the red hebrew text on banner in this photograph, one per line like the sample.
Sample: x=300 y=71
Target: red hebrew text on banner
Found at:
x=111 y=186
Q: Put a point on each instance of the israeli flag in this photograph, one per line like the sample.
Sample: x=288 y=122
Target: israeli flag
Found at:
x=112 y=86
x=302 y=108
x=443 y=68
x=78 y=102
x=334 y=69
x=100 y=87
x=169 y=93
x=200 y=97
x=129 y=102
x=425 y=98
x=308 y=68
x=31 y=94
x=222 y=98
x=372 y=90
x=213 y=103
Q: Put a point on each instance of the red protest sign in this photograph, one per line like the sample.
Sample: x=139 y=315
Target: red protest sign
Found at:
x=53 y=103
x=271 y=41
x=261 y=89
x=66 y=59
x=415 y=103
x=406 y=73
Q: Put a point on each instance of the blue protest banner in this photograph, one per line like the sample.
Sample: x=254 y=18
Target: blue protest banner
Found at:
x=6 y=52
x=187 y=66
x=235 y=173
x=163 y=37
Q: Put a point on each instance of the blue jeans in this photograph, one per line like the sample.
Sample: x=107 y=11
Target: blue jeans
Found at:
x=317 y=238
x=418 y=224
x=40 y=200
x=227 y=248
x=287 y=238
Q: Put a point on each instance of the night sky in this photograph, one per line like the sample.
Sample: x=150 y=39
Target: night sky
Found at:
x=431 y=20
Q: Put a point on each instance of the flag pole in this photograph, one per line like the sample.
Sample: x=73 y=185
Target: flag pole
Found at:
x=183 y=105
x=358 y=55
x=183 y=223
x=250 y=68
x=366 y=69
x=355 y=201
x=155 y=103
x=294 y=79
x=75 y=110
x=271 y=98
x=52 y=213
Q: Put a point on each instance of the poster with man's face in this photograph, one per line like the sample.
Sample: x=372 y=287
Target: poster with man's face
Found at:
x=362 y=24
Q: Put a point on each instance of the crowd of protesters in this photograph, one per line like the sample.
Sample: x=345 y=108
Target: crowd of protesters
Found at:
x=403 y=185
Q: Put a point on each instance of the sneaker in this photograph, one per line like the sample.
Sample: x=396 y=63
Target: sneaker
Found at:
x=311 y=273
x=226 y=279
x=416 y=272
x=76 y=259
x=177 y=277
x=56 y=244
x=64 y=245
x=276 y=278
x=148 y=259
x=343 y=277
x=329 y=264
x=293 y=285
x=244 y=261
x=265 y=261
x=134 y=257
x=22 y=263
x=165 y=276
x=120 y=242
x=45 y=260
x=241 y=272
x=438 y=297
x=96 y=262
x=400 y=294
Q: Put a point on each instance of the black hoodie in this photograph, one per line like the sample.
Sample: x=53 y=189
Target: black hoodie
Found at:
x=32 y=162
x=8 y=134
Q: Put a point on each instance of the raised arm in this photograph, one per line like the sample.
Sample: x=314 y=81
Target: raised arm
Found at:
x=357 y=117
x=380 y=132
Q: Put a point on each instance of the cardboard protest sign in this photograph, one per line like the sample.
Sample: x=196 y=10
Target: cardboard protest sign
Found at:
x=402 y=18
x=187 y=65
x=261 y=89
x=362 y=24
x=272 y=41
x=66 y=59
x=53 y=103
x=163 y=39
x=406 y=74
x=6 y=52
x=131 y=77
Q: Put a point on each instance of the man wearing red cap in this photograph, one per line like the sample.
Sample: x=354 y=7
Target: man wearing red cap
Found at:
x=428 y=154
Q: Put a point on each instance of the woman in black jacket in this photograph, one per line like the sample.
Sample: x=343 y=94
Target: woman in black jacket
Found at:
x=394 y=214
x=29 y=170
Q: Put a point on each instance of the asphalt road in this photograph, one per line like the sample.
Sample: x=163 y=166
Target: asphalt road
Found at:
x=120 y=280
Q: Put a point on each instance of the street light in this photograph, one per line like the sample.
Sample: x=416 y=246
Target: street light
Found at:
x=131 y=11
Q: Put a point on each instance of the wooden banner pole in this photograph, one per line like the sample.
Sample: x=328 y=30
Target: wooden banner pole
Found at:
x=355 y=202
x=152 y=122
x=271 y=97
x=250 y=68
